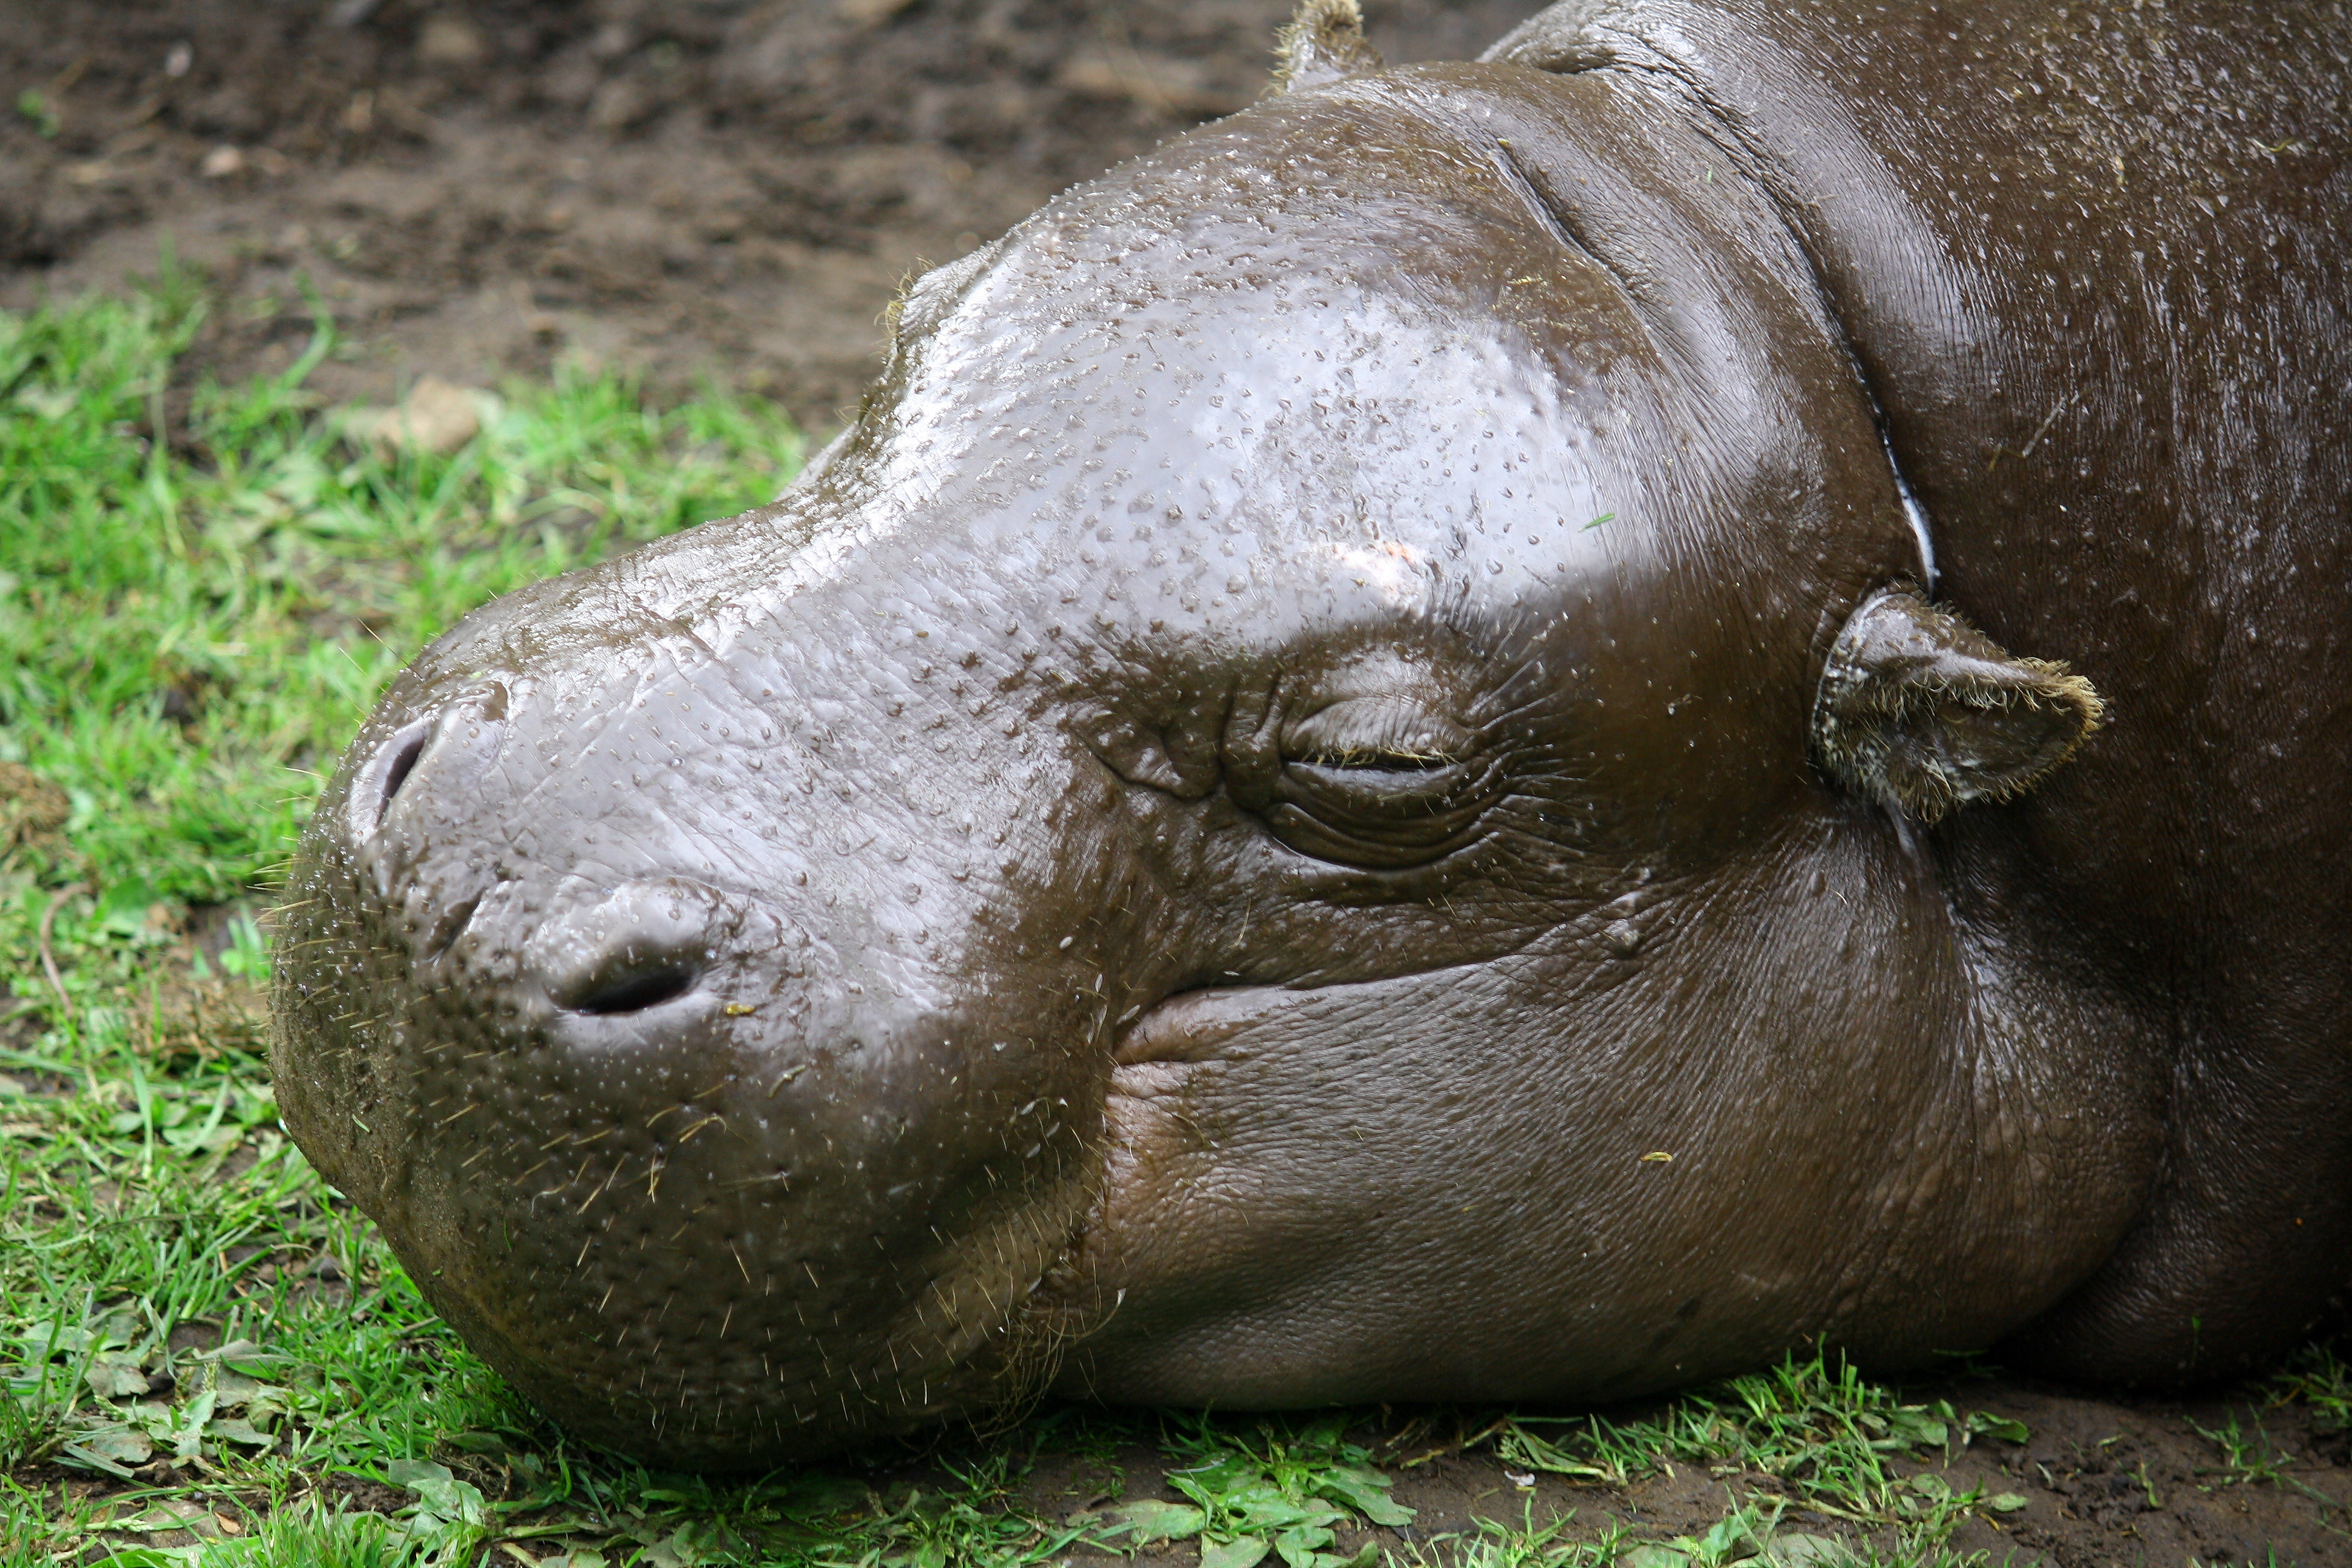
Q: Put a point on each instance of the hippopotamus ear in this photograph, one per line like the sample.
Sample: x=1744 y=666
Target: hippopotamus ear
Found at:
x=1324 y=43
x=1922 y=712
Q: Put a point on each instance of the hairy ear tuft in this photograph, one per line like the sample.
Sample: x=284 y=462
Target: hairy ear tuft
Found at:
x=1323 y=43
x=1920 y=711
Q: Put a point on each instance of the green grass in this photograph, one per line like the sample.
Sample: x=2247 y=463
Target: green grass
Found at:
x=187 y=639
x=207 y=1356
x=1826 y=1430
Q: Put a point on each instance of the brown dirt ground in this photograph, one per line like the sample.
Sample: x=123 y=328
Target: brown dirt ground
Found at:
x=2111 y=1482
x=723 y=187
x=732 y=189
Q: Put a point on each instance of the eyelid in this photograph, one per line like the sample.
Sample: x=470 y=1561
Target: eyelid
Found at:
x=1382 y=817
x=1380 y=759
x=1379 y=732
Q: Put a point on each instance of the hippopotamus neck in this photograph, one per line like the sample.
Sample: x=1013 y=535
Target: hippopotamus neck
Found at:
x=2082 y=498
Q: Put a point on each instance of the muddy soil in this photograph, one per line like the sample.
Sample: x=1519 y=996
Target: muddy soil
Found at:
x=733 y=189
x=730 y=189
x=2107 y=1482
x=2099 y=1482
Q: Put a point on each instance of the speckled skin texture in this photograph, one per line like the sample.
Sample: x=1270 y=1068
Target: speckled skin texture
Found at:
x=1200 y=853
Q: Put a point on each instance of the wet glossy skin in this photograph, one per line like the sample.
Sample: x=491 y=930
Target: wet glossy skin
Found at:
x=1184 y=860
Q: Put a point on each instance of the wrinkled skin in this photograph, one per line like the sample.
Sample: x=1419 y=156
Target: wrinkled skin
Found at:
x=1181 y=861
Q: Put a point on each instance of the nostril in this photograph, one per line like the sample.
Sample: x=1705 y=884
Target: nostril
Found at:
x=627 y=950
x=399 y=759
x=634 y=990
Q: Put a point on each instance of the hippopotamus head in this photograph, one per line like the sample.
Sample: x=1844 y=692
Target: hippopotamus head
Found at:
x=1314 y=803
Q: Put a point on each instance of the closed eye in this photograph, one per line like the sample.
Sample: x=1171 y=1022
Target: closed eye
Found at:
x=1379 y=759
x=1383 y=779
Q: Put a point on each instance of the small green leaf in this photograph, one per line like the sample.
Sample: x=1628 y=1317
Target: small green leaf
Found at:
x=1151 y=1519
x=687 y=1546
x=409 y=1473
x=2007 y=1428
x=236 y=1429
x=112 y=1449
x=132 y=907
x=1914 y=1427
x=155 y=1417
x=1217 y=1476
x=1652 y=1556
x=457 y=1501
x=1299 y=1546
x=199 y=1410
x=115 y=1375
x=1721 y=1537
x=1265 y=1506
x=234 y=1389
x=1364 y=1491
x=36 y=108
x=56 y=1340
x=1243 y=1552
x=2007 y=1503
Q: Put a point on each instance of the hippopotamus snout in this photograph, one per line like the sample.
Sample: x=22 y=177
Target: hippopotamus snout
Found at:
x=597 y=951
x=599 y=1030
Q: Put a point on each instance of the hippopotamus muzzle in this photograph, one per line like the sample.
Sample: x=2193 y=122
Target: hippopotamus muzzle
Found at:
x=655 y=1126
x=1388 y=765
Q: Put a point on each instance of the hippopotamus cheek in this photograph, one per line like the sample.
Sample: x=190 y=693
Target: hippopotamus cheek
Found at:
x=1302 y=1259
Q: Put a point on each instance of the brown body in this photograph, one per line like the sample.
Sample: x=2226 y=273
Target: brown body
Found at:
x=1388 y=766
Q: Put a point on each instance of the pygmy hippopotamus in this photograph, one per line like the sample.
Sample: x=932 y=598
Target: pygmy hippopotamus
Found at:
x=1525 y=729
